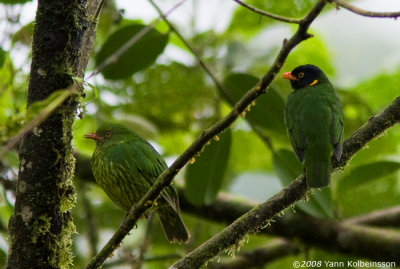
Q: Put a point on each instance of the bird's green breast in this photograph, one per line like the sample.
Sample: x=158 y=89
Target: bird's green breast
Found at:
x=310 y=110
x=117 y=173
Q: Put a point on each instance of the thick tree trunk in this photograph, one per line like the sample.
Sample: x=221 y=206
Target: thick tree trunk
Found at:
x=41 y=225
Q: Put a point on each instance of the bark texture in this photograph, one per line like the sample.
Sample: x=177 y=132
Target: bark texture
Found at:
x=41 y=225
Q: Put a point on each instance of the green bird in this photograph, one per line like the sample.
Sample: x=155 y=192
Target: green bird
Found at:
x=125 y=166
x=314 y=119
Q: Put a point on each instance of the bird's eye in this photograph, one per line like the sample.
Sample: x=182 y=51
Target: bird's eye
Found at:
x=108 y=134
x=301 y=75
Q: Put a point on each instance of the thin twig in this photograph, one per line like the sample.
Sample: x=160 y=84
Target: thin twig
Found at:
x=268 y=14
x=99 y=10
x=167 y=176
x=366 y=13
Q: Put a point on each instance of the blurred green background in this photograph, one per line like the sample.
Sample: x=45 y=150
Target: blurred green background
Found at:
x=160 y=91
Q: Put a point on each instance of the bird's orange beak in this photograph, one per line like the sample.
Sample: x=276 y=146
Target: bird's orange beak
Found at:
x=288 y=75
x=93 y=136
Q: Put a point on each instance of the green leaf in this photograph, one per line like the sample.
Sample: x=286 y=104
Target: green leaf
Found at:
x=287 y=168
x=269 y=108
x=138 y=56
x=24 y=35
x=204 y=178
x=364 y=174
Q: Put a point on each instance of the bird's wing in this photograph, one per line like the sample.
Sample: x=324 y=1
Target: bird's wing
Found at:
x=336 y=131
x=295 y=139
x=151 y=165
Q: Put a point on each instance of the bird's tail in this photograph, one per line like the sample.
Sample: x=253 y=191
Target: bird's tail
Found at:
x=318 y=166
x=172 y=224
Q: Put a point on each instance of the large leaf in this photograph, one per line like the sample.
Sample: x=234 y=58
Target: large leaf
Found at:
x=364 y=174
x=138 y=56
x=269 y=108
x=287 y=168
x=204 y=178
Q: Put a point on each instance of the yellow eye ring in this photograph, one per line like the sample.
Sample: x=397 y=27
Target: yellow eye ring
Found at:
x=301 y=75
x=108 y=134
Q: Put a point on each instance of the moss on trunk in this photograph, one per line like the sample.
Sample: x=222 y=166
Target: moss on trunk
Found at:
x=41 y=225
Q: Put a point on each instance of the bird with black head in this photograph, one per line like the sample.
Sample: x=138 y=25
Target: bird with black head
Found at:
x=314 y=120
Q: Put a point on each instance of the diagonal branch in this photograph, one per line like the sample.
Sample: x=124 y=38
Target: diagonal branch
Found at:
x=167 y=176
x=268 y=14
x=366 y=13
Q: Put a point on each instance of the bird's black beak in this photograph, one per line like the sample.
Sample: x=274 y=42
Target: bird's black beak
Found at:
x=93 y=136
x=288 y=75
